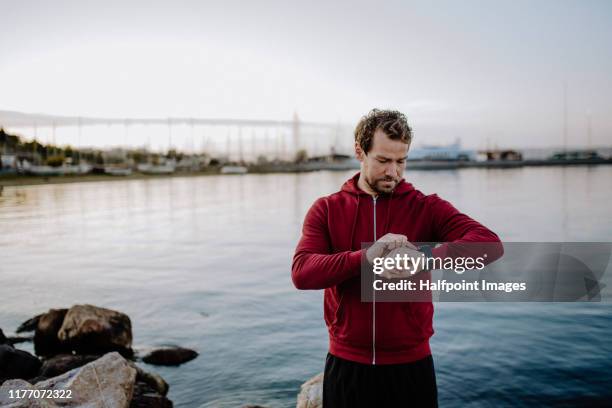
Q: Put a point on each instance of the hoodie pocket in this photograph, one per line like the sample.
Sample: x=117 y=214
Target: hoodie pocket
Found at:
x=402 y=325
x=352 y=323
x=421 y=315
x=337 y=314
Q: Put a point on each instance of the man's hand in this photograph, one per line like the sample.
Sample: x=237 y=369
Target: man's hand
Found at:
x=386 y=243
x=413 y=266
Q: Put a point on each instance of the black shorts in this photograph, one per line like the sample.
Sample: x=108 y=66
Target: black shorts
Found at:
x=354 y=385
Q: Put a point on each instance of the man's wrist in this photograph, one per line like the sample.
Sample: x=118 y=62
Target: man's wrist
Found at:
x=427 y=250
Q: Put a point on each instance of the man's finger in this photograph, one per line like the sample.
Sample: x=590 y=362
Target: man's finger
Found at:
x=399 y=241
x=409 y=244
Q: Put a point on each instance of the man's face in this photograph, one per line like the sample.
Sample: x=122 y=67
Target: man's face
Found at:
x=383 y=166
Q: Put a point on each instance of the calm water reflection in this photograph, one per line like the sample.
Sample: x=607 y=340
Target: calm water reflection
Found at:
x=204 y=262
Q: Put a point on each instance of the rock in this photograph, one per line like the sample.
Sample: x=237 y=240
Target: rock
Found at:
x=12 y=340
x=146 y=397
x=94 y=330
x=311 y=393
x=3 y=339
x=29 y=325
x=170 y=356
x=19 y=339
x=86 y=329
x=46 y=342
x=6 y=401
x=17 y=363
x=150 y=390
x=105 y=382
x=62 y=363
x=153 y=380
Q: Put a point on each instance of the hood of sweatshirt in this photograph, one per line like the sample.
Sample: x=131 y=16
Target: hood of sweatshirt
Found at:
x=351 y=186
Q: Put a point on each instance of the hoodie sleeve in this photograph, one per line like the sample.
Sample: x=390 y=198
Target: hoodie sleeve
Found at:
x=466 y=236
x=314 y=266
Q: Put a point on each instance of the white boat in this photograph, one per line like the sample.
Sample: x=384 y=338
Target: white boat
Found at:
x=45 y=170
x=167 y=168
x=234 y=170
x=84 y=168
x=451 y=152
x=117 y=171
x=78 y=169
x=57 y=171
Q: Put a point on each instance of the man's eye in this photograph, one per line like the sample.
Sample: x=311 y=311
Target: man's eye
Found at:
x=382 y=161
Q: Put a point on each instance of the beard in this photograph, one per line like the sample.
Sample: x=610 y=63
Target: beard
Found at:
x=384 y=185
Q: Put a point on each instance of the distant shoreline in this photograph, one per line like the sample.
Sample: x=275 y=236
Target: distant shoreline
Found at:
x=17 y=180
x=28 y=180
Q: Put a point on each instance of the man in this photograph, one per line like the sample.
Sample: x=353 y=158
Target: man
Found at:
x=379 y=353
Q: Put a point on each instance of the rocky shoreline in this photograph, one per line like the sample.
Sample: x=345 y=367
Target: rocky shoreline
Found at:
x=88 y=350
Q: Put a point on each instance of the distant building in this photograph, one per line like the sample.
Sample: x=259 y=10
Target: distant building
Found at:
x=451 y=152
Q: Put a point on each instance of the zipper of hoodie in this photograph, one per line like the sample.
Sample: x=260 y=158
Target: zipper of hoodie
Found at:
x=374 y=297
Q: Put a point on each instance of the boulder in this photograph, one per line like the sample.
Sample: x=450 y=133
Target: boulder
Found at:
x=62 y=363
x=20 y=339
x=29 y=325
x=311 y=393
x=105 y=382
x=146 y=397
x=3 y=339
x=21 y=385
x=46 y=342
x=90 y=329
x=153 y=380
x=12 y=340
x=169 y=356
x=17 y=363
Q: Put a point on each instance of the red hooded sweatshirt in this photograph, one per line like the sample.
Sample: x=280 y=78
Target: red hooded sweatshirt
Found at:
x=328 y=257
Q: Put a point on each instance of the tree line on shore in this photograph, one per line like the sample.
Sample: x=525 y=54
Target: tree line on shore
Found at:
x=52 y=155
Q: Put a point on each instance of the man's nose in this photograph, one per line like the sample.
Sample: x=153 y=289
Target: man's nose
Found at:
x=390 y=170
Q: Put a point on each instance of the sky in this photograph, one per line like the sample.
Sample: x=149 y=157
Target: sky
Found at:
x=487 y=72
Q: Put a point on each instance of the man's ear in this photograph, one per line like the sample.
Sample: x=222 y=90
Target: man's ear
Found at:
x=359 y=153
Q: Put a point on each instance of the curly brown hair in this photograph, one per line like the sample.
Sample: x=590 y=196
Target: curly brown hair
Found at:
x=393 y=123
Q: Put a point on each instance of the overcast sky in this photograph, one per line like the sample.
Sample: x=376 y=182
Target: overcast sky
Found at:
x=469 y=69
